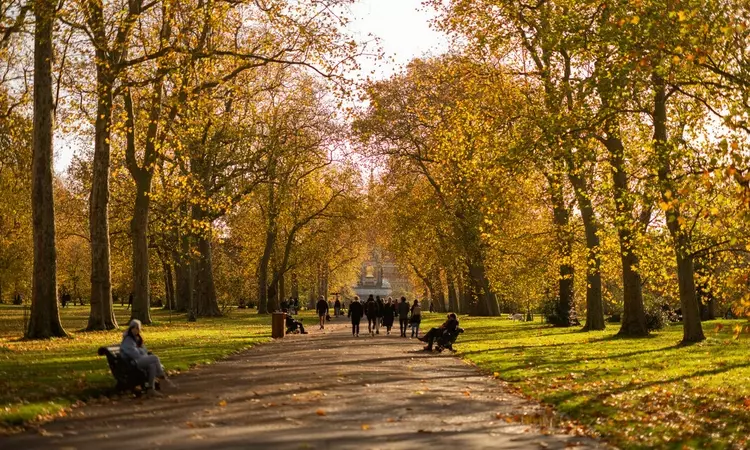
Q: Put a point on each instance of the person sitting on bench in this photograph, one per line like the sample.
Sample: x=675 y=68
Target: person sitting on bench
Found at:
x=449 y=326
x=293 y=325
x=133 y=349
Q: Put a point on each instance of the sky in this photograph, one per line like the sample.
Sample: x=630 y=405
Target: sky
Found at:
x=402 y=27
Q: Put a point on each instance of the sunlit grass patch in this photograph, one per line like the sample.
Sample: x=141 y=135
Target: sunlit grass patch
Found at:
x=636 y=393
x=39 y=379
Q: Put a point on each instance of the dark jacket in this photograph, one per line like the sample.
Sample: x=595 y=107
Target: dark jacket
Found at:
x=389 y=311
x=356 y=311
x=450 y=325
x=322 y=307
x=403 y=310
x=371 y=308
x=381 y=306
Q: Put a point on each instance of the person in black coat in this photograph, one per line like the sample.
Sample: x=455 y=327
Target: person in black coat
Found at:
x=389 y=312
x=381 y=309
x=322 y=309
x=449 y=326
x=371 y=311
x=337 y=308
x=403 y=315
x=356 y=311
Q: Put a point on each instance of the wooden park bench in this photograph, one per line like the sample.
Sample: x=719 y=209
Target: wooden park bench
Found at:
x=126 y=373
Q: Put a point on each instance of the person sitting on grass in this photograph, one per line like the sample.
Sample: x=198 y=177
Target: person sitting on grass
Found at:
x=132 y=348
x=449 y=326
x=293 y=325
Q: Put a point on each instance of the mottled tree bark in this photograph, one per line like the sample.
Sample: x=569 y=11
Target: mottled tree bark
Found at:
x=692 y=328
x=594 y=304
x=561 y=218
x=45 y=316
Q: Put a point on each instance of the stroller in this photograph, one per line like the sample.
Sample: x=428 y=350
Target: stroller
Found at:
x=447 y=339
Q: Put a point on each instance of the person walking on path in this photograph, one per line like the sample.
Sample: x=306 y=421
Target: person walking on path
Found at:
x=381 y=308
x=130 y=301
x=416 y=318
x=337 y=308
x=403 y=315
x=322 y=309
x=432 y=307
x=356 y=311
x=389 y=313
x=371 y=311
x=133 y=349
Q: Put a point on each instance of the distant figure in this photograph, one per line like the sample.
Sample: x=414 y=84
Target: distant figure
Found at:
x=133 y=349
x=293 y=325
x=432 y=307
x=65 y=299
x=322 y=309
x=403 y=315
x=448 y=326
x=18 y=300
x=381 y=309
x=284 y=305
x=389 y=312
x=296 y=306
x=130 y=301
x=416 y=318
x=356 y=311
x=371 y=311
x=337 y=308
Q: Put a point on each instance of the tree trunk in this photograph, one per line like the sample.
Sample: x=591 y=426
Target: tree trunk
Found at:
x=192 y=315
x=168 y=286
x=282 y=288
x=561 y=217
x=182 y=275
x=633 y=321
x=462 y=301
x=692 y=328
x=594 y=305
x=102 y=315
x=452 y=293
x=438 y=291
x=139 y=230
x=486 y=300
x=206 y=303
x=44 y=322
x=263 y=271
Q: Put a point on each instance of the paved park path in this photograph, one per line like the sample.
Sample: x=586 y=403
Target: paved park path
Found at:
x=325 y=390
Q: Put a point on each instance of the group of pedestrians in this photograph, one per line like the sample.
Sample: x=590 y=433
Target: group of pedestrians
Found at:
x=383 y=313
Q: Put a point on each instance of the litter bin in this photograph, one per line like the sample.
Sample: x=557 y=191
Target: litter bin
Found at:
x=278 y=325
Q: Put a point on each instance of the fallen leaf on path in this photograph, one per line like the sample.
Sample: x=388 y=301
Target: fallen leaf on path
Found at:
x=365 y=426
x=190 y=424
x=320 y=412
x=467 y=393
x=390 y=419
x=223 y=403
x=496 y=374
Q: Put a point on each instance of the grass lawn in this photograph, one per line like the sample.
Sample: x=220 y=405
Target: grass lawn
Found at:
x=635 y=393
x=38 y=379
